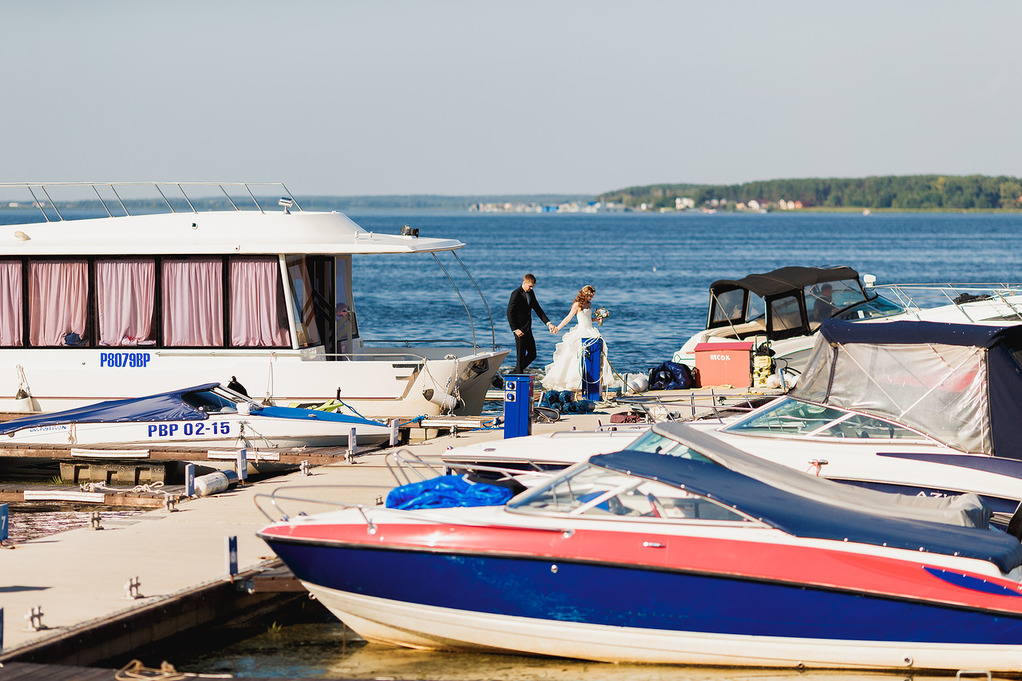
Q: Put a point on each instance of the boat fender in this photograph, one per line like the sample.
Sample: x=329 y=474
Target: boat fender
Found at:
x=214 y=483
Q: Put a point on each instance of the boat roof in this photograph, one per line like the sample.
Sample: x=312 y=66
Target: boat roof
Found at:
x=785 y=279
x=182 y=226
x=960 y=384
x=168 y=406
x=811 y=507
x=916 y=332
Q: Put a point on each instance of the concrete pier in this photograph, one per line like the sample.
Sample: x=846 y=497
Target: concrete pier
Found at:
x=83 y=579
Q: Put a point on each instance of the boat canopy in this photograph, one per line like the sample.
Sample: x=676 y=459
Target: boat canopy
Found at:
x=168 y=406
x=958 y=383
x=807 y=506
x=784 y=303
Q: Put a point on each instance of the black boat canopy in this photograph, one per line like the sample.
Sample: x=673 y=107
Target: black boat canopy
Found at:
x=784 y=280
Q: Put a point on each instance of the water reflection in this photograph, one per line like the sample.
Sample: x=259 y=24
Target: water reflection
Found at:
x=326 y=649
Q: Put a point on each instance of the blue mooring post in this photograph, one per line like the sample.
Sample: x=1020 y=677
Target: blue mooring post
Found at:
x=517 y=405
x=4 y=517
x=232 y=556
x=592 y=363
x=190 y=480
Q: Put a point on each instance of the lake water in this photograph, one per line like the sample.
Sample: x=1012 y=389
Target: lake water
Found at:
x=653 y=271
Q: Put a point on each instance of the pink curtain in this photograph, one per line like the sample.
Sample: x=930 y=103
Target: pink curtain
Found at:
x=257 y=317
x=57 y=298
x=10 y=304
x=193 y=310
x=125 y=290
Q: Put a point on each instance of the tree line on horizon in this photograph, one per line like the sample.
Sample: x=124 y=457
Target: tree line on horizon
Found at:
x=908 y=192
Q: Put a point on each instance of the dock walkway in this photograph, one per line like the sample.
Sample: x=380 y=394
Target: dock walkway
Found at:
x=81 y=578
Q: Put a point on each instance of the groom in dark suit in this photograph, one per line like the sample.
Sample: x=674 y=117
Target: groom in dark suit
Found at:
x=519 y=316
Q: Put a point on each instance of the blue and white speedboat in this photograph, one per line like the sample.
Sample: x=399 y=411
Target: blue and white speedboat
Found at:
x=208 y=415
x=706 y=556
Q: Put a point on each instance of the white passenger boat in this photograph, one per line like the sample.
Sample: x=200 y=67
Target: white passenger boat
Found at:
x=147 y=299
x=201 y=416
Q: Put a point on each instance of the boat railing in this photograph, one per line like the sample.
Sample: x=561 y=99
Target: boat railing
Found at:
x=161 y=197
x=407 y=468
x=917 y=297
x=693 y=406
x=283 y=500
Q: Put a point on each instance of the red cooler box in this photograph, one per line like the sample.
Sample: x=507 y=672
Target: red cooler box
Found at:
x=724 y=364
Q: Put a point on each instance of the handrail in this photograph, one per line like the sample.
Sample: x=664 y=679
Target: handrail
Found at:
x=493 y=331
x=157 y=186
x=468 y=312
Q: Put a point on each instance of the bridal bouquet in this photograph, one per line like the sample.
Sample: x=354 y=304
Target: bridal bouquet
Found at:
x=601 y=314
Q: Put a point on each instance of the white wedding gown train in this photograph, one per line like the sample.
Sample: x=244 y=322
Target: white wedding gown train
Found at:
x=565 y=371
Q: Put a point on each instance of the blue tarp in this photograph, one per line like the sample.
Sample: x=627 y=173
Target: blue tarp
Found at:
x=160 y=407
x=446 y=491
x=808 y=516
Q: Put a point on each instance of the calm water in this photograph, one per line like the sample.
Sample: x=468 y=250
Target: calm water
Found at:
x=653 y=272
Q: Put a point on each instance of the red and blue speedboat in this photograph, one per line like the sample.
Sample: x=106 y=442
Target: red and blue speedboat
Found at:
x=704 y=556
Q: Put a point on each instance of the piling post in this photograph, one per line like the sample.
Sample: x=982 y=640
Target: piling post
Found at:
x=352 y=446
x=231 y=545
x=4 y=520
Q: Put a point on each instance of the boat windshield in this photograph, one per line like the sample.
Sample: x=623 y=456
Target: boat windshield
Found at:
x=790 y=416
x=874 y=308
x=589 y=490
x=823 y=300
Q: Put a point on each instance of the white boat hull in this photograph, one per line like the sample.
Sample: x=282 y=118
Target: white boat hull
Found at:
x=401 y=623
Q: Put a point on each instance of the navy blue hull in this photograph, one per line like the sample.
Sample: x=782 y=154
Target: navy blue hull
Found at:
x=637 y=598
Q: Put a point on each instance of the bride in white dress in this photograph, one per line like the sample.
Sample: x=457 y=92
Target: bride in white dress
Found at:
x=565 y=372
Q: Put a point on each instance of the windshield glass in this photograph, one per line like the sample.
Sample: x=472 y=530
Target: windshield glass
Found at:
x=823 y=300
x=788 y=416
x=594 y=491
x=872 y=309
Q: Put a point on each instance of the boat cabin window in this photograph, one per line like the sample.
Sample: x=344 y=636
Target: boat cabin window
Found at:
x=258 y=311
x=125 y=296
x=345 y=324
x=193 y=302
x=788 y=416
x=143 y=301
x=785 y=314
x=589 y=490
x=58 y=301
x=729 y=306
x=311 y=280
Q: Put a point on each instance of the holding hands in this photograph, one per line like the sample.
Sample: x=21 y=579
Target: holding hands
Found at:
x=553 y=329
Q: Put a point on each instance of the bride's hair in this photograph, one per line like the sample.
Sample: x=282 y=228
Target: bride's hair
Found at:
x=585 y=297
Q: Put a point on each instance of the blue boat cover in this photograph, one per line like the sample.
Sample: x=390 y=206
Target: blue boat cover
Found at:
x=159 y=407
x=810 y=515
x=446 y=491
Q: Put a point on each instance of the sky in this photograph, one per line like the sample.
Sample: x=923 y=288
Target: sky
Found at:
x=481 y=97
